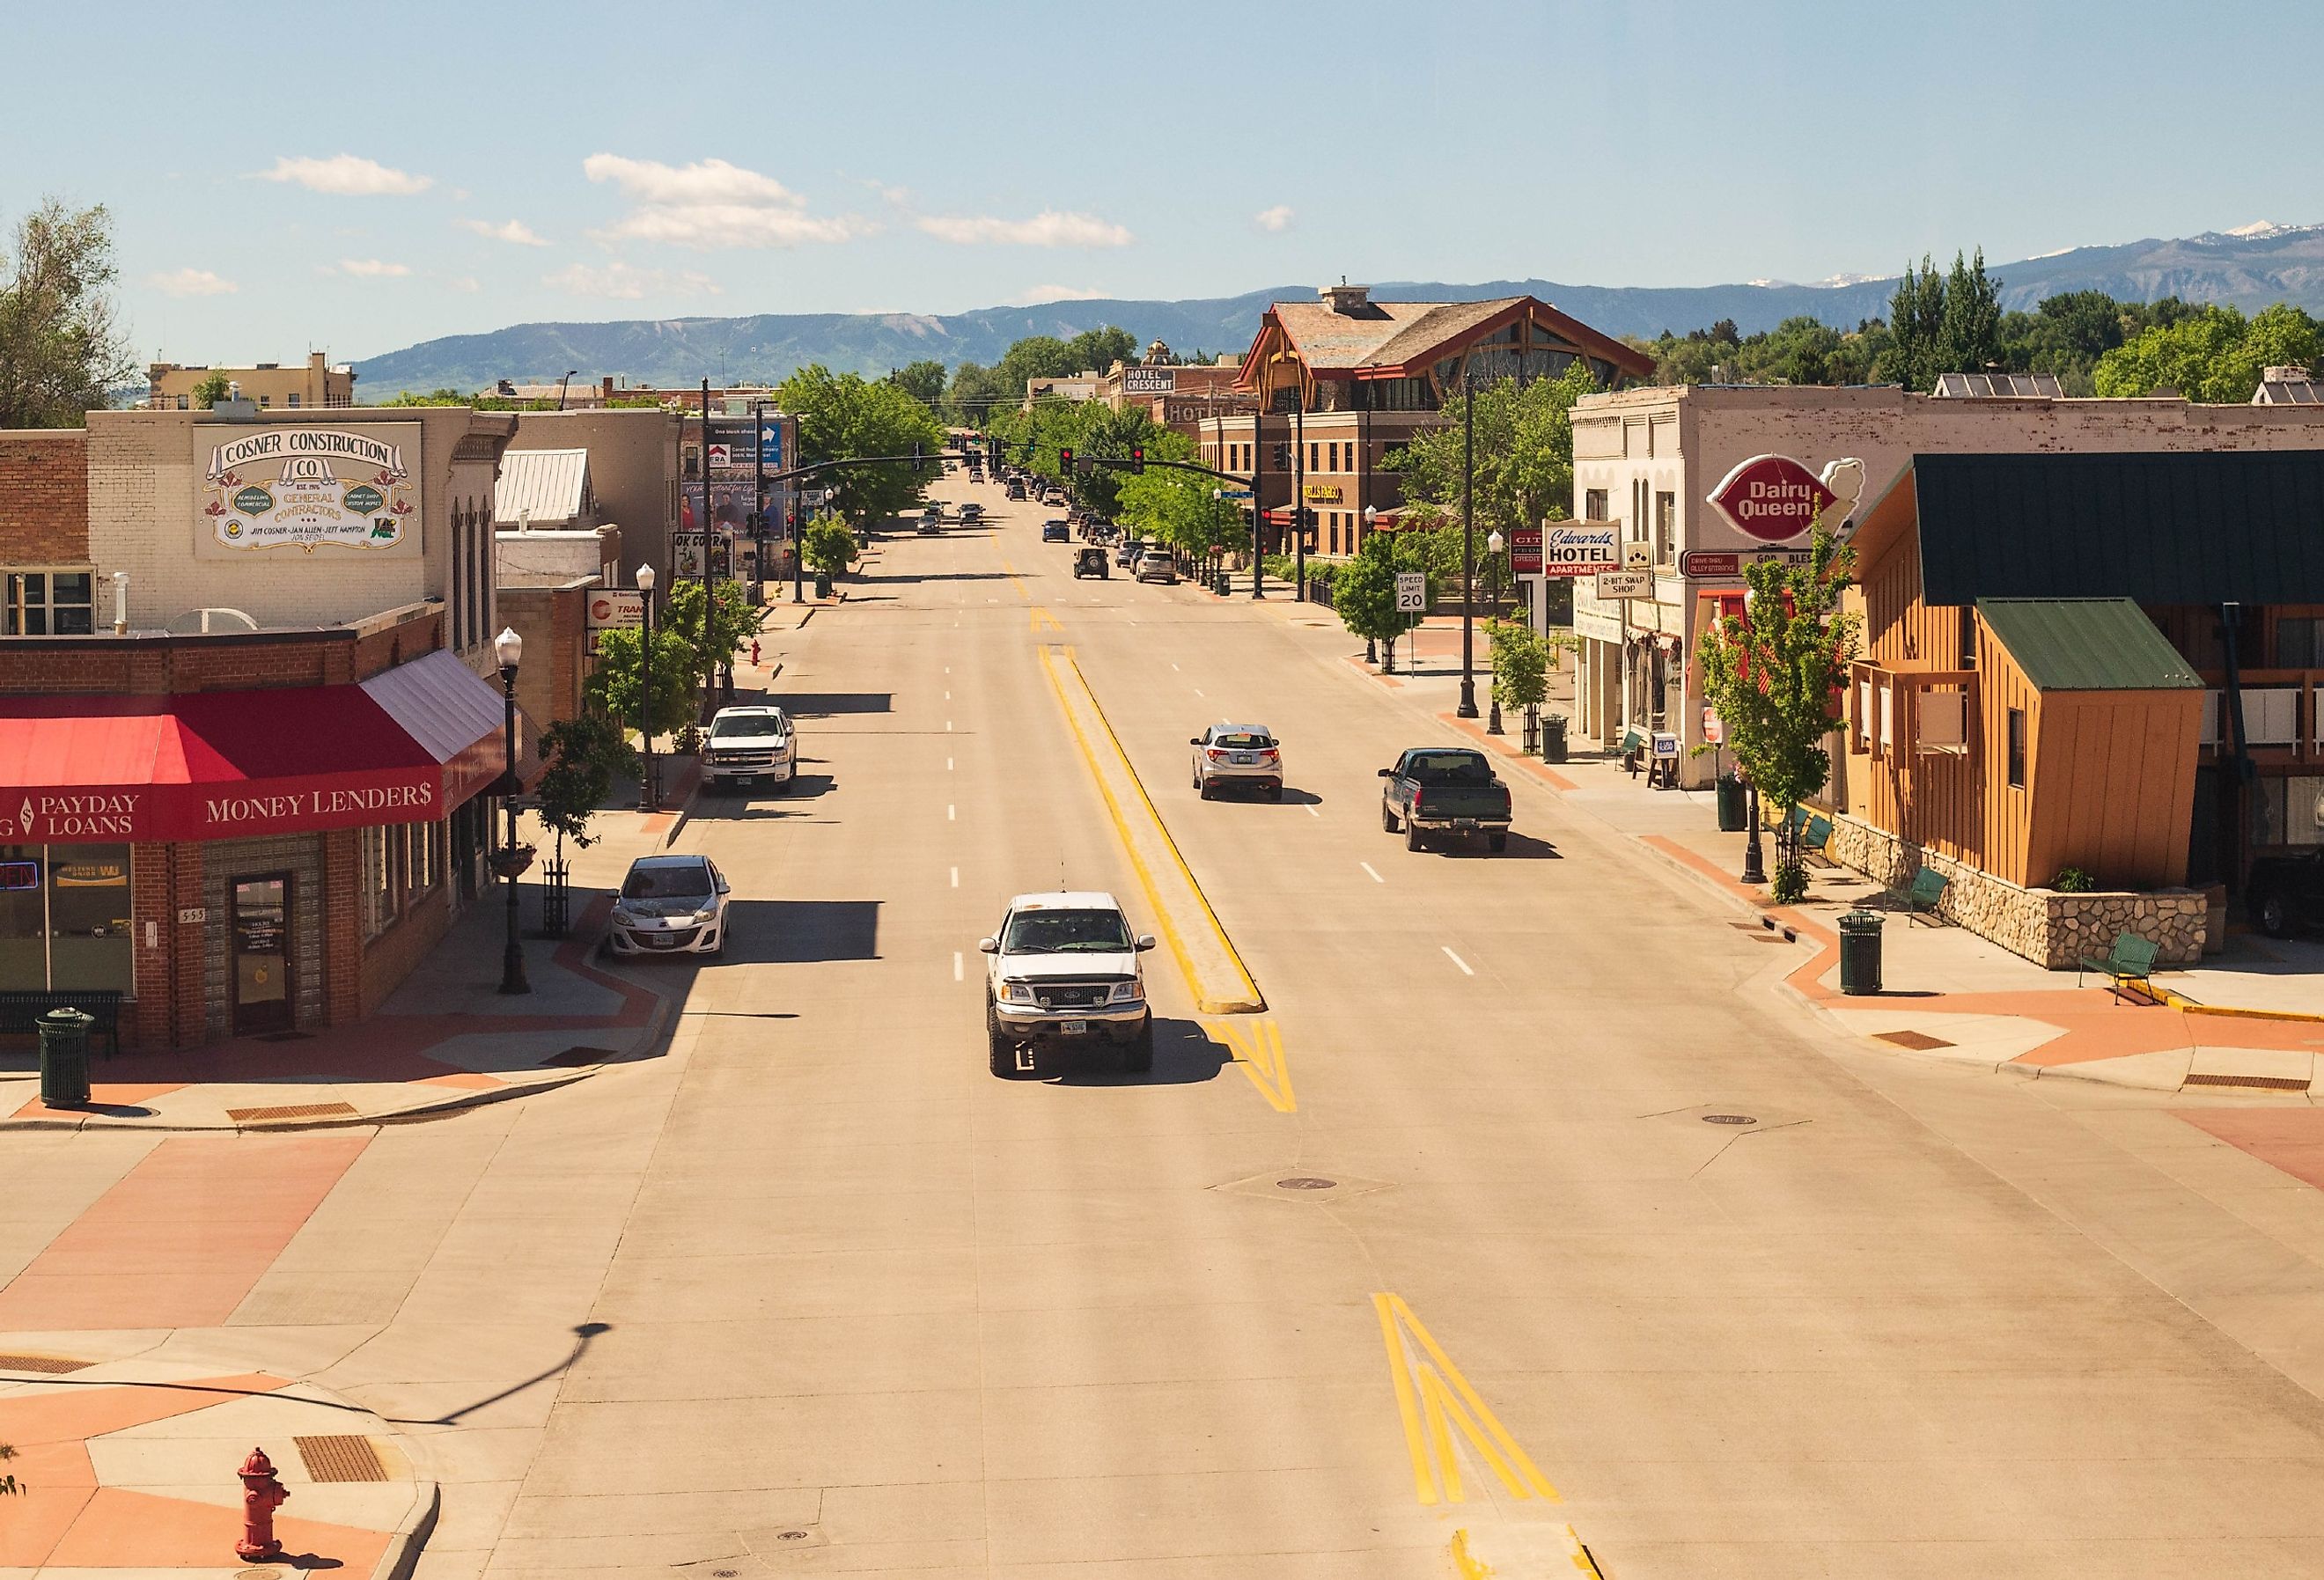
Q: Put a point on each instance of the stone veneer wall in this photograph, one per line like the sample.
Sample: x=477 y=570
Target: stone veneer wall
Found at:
x=2049 y=929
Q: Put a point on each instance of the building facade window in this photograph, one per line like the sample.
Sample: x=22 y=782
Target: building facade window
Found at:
x=64 y=919
x=291 y=399
x=1313 y=451
x=47 y=603
x=1593 y=505
x=2016 y=748
x=1283 y=457
x=2299 y=643
x=1666 y=528
x=184 y=403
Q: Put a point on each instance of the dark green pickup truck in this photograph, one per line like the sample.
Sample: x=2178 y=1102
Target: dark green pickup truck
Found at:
x=1445 y=790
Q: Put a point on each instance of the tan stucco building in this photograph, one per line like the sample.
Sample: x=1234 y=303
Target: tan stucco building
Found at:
x=303 y=386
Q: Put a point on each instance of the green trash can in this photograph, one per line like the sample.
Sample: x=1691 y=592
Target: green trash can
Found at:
x=1859 y=952
x=1734 y=807
x=823 y=584
x=64 y=1057
x=1552 y=738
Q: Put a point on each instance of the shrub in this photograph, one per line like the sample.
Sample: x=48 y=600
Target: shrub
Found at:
x=2073 y=881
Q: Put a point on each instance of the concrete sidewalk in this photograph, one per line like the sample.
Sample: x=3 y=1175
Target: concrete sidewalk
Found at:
x=127 y=1460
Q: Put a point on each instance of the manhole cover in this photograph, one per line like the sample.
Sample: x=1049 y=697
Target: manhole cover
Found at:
x=1305 y=1182
x=726 y=1574
x=790 y=1536
x=1729 y=1119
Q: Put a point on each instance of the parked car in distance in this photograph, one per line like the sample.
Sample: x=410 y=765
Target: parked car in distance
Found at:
x=972 y=511
x=1091 y=561
x=1157 y=565
x=2284 y=893
x=1015 y=490
x=1062 y=971
x=747 y=744
x=1238 y=754
x=668 y=905
x=930 y=527
x=1125 y=552
x=1055 y=532
x=1445 y=790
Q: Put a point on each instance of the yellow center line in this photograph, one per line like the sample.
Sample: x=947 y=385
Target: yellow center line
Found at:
x=1259 y=1055
x=1433 y=1400
x=1400 y=1374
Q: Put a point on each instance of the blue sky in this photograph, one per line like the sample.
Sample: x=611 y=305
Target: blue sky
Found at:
x=378 y=176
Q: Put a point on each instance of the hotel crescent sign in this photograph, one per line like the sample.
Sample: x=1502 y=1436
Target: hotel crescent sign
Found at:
x=1772 y=498
x=307 y=488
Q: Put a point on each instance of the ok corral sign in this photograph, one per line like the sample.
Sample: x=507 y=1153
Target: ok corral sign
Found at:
x=1772 y=498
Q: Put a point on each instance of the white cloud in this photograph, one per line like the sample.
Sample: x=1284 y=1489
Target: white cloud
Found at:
x=347 y=175
x=1048 y=229
x=621 y=281
x=466 y=284
x=711 y=204
x=1276 y=219
x=900 y=197
x=372 y=269
x=191 y=282
x=1037 y=295
x=516 y=231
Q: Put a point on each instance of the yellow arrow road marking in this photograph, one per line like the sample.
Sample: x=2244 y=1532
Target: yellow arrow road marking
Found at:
x=1258 y=1053
x=1446 y=1403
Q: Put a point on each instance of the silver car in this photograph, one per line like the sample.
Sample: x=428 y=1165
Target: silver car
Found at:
x=669 y=905
x=1156 y=564
x=1238 y=754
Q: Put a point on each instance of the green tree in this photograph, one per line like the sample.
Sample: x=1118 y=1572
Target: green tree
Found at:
x=62 y=354
x=1521 y=658
x=842 y=417
x=1773 y=673
x=732 y=620
x=975 y=392
x=2190 y=355
x=1524 y=454
x=1177 y=508
x=1916 y=314
x=924 y=381
x=1096 y=350
x=1363 y=593
x=211 y=391
x=582 y=755
x=616 y=687
x=829 y=545
x=1969 y=324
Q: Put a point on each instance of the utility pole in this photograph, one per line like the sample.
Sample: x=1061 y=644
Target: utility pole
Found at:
x=1468 y=708
x=703 y=521
x=1257 y=499
x=1299 y=487
x=758 y=493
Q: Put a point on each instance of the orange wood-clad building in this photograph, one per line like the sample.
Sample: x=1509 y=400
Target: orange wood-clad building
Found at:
x=2095 y=661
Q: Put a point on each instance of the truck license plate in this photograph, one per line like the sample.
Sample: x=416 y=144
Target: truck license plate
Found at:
x=1077 y=1027
x=1464 y=822
x=746 y=780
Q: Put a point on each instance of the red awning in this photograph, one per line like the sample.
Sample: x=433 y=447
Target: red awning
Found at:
x=227 y=764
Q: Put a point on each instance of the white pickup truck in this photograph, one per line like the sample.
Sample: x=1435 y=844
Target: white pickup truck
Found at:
x=747 y=744
x=1062 y=972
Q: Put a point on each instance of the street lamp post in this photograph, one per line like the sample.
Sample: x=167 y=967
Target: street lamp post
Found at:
x=1755 y=863
x=1493 y=546
x=1299 y=492
x=1258 y=498
x=508 y=647
x=649 y=787
x=1468 y=708
x=561 y=386
x=1371 y=520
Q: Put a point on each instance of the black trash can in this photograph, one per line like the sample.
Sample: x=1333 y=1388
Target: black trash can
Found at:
x=1859 y=952
x=64 y=1057
x=1734 y=813
x=1552 y=738
x=823 y=584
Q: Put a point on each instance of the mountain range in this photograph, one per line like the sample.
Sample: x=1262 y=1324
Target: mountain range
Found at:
x=2250 y=267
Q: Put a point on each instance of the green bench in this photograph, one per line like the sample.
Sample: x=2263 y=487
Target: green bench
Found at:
x=1921 y=896
x=2131 y=959
x=1810 y=831
x=21 y=1011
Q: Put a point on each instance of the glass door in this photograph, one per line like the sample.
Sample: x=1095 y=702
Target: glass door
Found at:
x=260 y=935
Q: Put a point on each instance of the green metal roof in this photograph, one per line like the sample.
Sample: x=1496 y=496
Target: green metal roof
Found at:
x=2085 y=645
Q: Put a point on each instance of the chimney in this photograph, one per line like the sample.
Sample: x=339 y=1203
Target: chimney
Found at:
x=606 y=388
x=1344 y=297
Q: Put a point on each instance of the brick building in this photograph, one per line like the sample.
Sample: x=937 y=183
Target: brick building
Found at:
x=1341 y=382
x=246 y=733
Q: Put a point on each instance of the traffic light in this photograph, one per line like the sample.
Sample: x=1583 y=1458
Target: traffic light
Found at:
x=1065 y=461
x=1138 y=459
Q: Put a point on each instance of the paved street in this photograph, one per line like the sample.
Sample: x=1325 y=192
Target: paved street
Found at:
x=1527 y=1203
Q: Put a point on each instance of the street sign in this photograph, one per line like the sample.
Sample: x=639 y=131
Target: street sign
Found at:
x=1411 y=592
x=1714 y=728
x=722 y=456
x=1580 y=547
x=1234 y=493
x=616 y=608
x=1525 y=551
x=1619 y=586
x=815 y=498
x=1637 y=554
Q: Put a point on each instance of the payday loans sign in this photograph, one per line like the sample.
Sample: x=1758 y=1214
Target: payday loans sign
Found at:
x=309 y=488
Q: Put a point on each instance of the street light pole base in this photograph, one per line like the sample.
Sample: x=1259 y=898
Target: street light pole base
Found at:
x=1468 y=708
x=513 y=971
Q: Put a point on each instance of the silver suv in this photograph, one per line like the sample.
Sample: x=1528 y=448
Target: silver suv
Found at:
x=1063 y=971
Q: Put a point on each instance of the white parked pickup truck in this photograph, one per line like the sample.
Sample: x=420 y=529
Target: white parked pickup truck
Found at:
x=748 y=745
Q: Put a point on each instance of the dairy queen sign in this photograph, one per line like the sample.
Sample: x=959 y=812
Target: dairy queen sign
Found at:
x=1775 y=499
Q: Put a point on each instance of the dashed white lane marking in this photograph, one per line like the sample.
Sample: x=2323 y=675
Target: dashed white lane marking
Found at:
x=1198 y=691
x=947 y=697
x=1456 y=959
x=952 y=813
x=1367 y=867
x=947 y=726
x=956 y=877
x=955 y=966
x=1173 y=666
x=1312 y=812
x=948 y=765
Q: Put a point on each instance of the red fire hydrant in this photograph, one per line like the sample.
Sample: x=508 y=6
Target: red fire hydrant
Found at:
x=754 y=653
x=262 y=1495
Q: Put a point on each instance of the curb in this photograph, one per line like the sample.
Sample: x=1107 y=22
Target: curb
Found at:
x=411 y=1533
x=684 y=813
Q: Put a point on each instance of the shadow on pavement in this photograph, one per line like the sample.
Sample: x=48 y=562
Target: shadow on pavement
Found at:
x=830 y=704
x=794 y=932
x=1184 y=1054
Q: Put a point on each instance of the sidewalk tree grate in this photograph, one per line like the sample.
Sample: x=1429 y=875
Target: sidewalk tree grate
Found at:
x=293 y=1111
x=2263 y=1083
x=340 y=1459
x=1919 y=1041
x=52 y=1365
x=573 y=1058
x=288 y=1037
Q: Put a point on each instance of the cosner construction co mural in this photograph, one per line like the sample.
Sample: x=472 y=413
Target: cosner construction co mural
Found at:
x=309 y=488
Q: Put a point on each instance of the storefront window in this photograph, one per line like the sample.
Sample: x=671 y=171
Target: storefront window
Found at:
x=378 y=883
x=64 y=918
x=2267 y=811
x=2303 y=811
x=46 y=603
x=2298 y=640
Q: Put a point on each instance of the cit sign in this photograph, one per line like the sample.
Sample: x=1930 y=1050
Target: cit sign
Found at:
x=1772 y=498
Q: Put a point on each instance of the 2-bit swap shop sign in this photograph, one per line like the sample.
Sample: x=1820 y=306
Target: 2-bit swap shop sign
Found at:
x=1772 y=498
